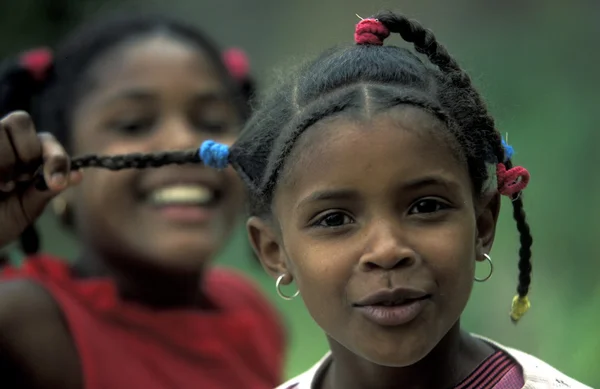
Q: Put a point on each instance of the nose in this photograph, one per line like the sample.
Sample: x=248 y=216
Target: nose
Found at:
x=177 y=133
x=386 y=249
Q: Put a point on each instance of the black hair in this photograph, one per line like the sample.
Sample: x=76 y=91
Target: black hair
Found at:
x=51 y=99
x=371 y=78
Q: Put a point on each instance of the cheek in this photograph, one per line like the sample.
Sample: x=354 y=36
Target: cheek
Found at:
x=453 y=262
x=105 y=194
x=321 y=275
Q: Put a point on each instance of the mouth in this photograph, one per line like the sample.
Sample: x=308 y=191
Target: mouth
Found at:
x=393 y=307
x=396 y=303
x=183 y=195
x=184 y=203
x=392 y=297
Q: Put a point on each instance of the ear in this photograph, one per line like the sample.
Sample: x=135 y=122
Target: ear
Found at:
x=266 y=244
x=487 y=218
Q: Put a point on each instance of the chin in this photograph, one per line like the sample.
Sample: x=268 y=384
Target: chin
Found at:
x=180 y=258
x=400 y=353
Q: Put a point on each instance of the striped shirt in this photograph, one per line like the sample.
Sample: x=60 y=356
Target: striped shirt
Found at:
x=499 y=371
x=505 y=369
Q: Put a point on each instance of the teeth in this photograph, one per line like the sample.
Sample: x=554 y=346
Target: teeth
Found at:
x=182 y=195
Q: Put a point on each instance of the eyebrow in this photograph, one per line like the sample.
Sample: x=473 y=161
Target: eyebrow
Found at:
x=147 y=94
x=433 y=180
x=324 y=195
x=349 y=194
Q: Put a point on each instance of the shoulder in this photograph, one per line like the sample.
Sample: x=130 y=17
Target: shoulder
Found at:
x=34 y=338
x=27 y=314
x=23 y=300
x=539 y=374
x=27 y=308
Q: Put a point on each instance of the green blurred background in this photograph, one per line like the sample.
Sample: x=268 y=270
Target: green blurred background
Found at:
x=537 y=64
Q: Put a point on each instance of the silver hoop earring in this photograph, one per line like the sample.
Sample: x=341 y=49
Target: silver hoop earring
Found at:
x=484 y=279
x=280 y=293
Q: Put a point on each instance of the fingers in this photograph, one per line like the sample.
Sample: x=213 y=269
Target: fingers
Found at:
x=8 y=159
x=56 y=163
x=27 y=148
x=20 y=150
x=23 y=151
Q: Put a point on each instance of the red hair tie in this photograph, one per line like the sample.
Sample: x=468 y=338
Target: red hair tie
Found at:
x=236 y=61
x=511 y=181
x=37 y=62
x=370 y=32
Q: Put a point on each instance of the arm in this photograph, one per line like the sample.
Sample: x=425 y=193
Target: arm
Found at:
x=15 y=296
x=36 y=349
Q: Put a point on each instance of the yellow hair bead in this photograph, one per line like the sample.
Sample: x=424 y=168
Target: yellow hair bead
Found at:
x=520 y=305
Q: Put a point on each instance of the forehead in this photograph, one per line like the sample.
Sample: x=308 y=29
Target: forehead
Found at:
x=398 y=145
x=156 y=65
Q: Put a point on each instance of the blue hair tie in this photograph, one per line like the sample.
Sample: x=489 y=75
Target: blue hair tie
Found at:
x=508 y=150
x=213 y=154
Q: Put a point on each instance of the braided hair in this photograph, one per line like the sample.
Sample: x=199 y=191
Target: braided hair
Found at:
x=48 y=84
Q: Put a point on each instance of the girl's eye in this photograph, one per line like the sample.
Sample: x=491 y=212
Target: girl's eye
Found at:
x=334 y=219
x=132 y=127
x=214 y=127
x=426 y=206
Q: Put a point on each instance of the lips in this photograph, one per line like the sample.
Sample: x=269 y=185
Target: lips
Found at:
x=393 y=307
x=392 y=297
x=181 y=188
x=180 y=196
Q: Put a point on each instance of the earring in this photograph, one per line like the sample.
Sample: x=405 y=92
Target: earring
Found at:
x=280 y=293
x=484 y=279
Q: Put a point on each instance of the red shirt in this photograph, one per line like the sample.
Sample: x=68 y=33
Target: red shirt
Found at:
x=123 y=345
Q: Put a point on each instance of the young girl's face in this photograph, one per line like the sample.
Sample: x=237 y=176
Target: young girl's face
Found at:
x=155 y=94
x=378 y=206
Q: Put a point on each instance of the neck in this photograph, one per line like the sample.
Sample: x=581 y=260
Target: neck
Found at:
x=453 y=359
x=155 y=288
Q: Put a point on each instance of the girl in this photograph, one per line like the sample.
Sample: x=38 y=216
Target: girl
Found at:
x=139 y=308
x=375 y=183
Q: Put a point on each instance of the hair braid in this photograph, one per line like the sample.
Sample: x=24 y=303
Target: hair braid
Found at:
x=525 y=250
x=425 y=43
x=521 y=302
x=130 y=161
x=29 y=239
x=422 y=38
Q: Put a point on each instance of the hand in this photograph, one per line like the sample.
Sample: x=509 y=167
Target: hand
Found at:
x=22 y=153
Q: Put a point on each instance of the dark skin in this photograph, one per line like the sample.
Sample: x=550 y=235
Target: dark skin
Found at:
x=381 y=203
x=147 y=95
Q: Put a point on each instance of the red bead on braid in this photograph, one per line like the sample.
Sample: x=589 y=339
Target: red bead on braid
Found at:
x=237 y=63
x=370 y=32
x=511 y=181
x=37 y=62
